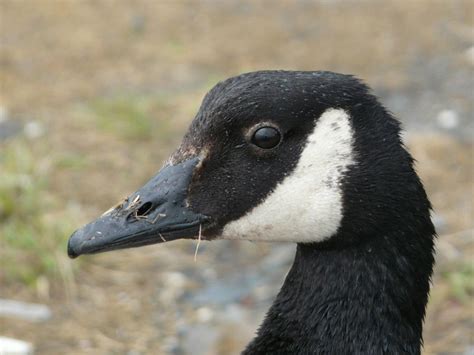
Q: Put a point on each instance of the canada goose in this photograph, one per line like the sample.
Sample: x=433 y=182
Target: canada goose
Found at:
x=307 y=157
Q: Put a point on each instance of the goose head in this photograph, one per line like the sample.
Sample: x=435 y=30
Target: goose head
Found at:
x=304 y=157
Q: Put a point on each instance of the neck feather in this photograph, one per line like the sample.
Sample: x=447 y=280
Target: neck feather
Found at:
x=369 y=298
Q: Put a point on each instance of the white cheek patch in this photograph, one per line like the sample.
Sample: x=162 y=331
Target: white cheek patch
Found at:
x=307 y=205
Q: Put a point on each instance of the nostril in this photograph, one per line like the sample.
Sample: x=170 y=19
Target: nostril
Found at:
x=144 y=209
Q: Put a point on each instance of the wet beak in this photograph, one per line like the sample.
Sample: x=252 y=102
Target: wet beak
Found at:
x=156 y=213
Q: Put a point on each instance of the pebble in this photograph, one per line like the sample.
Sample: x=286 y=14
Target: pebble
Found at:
x=469 y=54
x=439 y=222
x=173 y=285
x=10 y=346
x=204 y=314
x=174 y=279
x=33 y=129
x=448 y=119
x=8 y=127
x=28 y=311
x=3 y=114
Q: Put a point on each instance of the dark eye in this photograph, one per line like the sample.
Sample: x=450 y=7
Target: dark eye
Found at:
x=266 y=137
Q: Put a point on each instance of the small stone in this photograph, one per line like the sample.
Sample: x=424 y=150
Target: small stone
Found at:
x=175 y=279
x=204 y=314
x=3 y=114
x=448 y=119
x=33 y=129
x=10 y=346
x=173 y=285
x=8 y=127
x=28 y=311
x=439 y=222
x=469 y=54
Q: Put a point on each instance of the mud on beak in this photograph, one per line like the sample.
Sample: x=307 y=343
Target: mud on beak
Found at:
x=156 y=213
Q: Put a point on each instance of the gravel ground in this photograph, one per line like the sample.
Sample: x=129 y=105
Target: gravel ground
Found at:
x=60 y=60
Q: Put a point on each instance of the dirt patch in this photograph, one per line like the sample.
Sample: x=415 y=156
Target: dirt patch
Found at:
x=99 y=76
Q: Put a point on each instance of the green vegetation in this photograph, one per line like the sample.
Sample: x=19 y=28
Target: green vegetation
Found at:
x=461 y=280
x=31 y=233
x=71 y=161
x=132 y=117
x=35 y=222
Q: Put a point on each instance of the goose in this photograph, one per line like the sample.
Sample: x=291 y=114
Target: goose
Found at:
x=306 y=157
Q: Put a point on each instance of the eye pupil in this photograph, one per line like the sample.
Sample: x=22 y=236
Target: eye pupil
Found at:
x=266 y=137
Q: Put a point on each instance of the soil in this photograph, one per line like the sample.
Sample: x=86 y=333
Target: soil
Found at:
x=57 y=58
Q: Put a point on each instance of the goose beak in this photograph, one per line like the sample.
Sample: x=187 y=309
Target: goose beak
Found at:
x=156 y=213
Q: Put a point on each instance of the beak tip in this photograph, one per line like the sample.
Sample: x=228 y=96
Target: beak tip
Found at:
x=71 y=252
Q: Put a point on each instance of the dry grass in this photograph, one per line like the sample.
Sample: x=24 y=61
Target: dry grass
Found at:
x=115 y=84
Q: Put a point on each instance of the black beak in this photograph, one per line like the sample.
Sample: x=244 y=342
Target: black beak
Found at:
x=156 y=213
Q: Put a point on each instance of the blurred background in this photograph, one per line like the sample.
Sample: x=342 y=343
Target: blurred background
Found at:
x=94 y=96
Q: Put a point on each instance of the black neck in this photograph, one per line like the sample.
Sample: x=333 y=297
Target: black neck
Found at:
x=369 y=298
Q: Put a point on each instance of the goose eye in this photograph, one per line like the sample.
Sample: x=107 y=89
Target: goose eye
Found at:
x=266 y=137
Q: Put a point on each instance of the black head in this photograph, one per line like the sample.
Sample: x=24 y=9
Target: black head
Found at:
x=279 y=156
